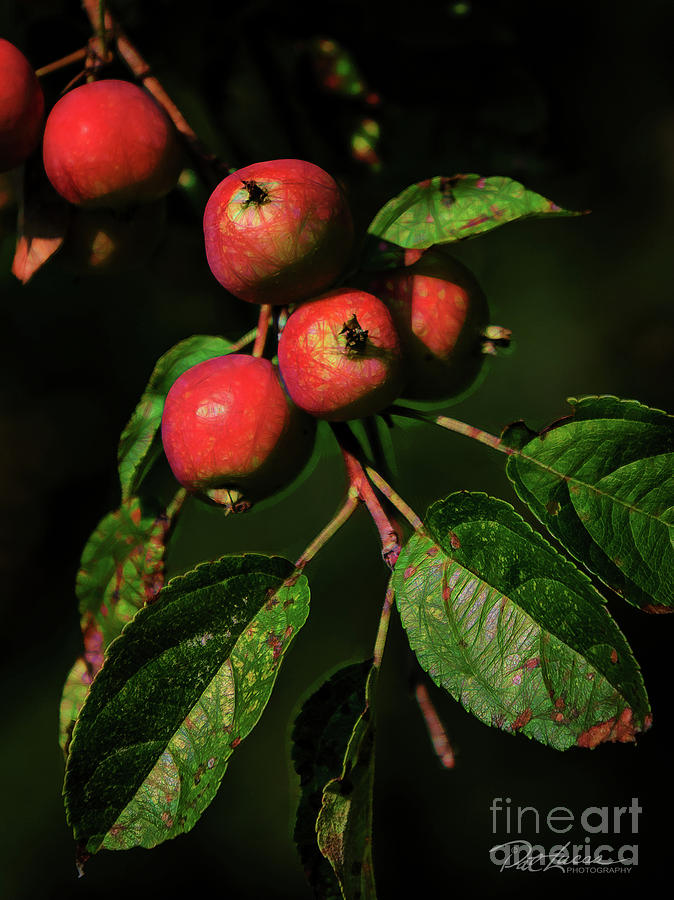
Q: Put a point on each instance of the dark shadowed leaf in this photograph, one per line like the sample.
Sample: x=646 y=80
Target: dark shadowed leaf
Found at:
x=515 y=631
x=179 y=690
x=140 y=443
x=121 y=569
x=42 y=223
x=344 y=824
x=441 y=210
x=602 y=482
x=319 y=742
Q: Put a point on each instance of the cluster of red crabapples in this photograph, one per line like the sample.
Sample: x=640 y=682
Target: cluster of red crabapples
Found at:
x=236 y=428
x=108 y=148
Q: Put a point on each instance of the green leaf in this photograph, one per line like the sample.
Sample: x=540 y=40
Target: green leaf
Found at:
x=515 y=631
x=344 y=823
x=122 y=568
x=442 y=210
x=181 y=687
x=602 y=482
x=320 y=739
x=140 y=443
x=78 y=682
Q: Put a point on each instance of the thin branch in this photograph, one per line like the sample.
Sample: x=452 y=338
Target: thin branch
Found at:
x=388 y=534
x=262 y=329
x=321 y=539
x=436 y=730
x=382 y=630
x=456 y=426
x=247 y=338
x=402 y=507
x=211 y=169
x=76 y=56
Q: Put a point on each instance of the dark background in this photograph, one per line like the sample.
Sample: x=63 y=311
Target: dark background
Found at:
x=576 y=100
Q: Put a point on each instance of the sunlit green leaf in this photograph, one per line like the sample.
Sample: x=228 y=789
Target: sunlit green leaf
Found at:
x=441 y=210
x=140 y=443
x=515 y=631
x=602 y=482
x=180 y=688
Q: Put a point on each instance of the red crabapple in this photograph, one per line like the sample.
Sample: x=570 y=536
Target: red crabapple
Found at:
x=230 y=431
x=441 y=314
x=110 y=144
x=340 y=357
x=277 y=232
x=21 y=107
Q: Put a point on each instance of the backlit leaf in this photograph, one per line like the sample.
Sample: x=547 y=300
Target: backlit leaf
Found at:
x=140 y=443
x=602 y=482
x=180 y=688
x=442 y=210
x=515 y=631
x=121 y=569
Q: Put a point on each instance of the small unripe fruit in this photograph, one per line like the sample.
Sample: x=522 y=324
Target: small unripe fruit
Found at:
x=340 y=357
x=108 y=144
x=441 y=313
x=277 y=232
x=21 y=107
x=230 y=431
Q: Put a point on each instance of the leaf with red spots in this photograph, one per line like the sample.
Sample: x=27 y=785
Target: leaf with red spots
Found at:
x=330 y=719
x=602 y=482
x=443 y=210
x=179 y=690
x=515 y=631
x=140 y=443
x=121 y=569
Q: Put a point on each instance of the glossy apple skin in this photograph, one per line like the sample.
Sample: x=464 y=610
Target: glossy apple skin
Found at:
x=322 y=375
x=291 y=244
x=228 y=423
x=108 y=144
x=440 y=312
x=21 y=107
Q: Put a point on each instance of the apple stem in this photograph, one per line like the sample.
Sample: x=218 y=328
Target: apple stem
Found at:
x=257 y=195
x=243 y=341
x=382 y=630
x=343 y=513
x=212 y=170
x=262 y=329
x=68 y=60
x=477 y=434
x=404 y=508
x=436 y=731
x=388 y=533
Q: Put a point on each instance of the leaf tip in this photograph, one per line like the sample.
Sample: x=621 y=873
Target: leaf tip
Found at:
x=622 y=729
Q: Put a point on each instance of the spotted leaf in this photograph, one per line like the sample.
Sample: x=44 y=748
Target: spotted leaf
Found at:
x=513 y=630
x=442 y=210
x=179 y=690
x=121 y=569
